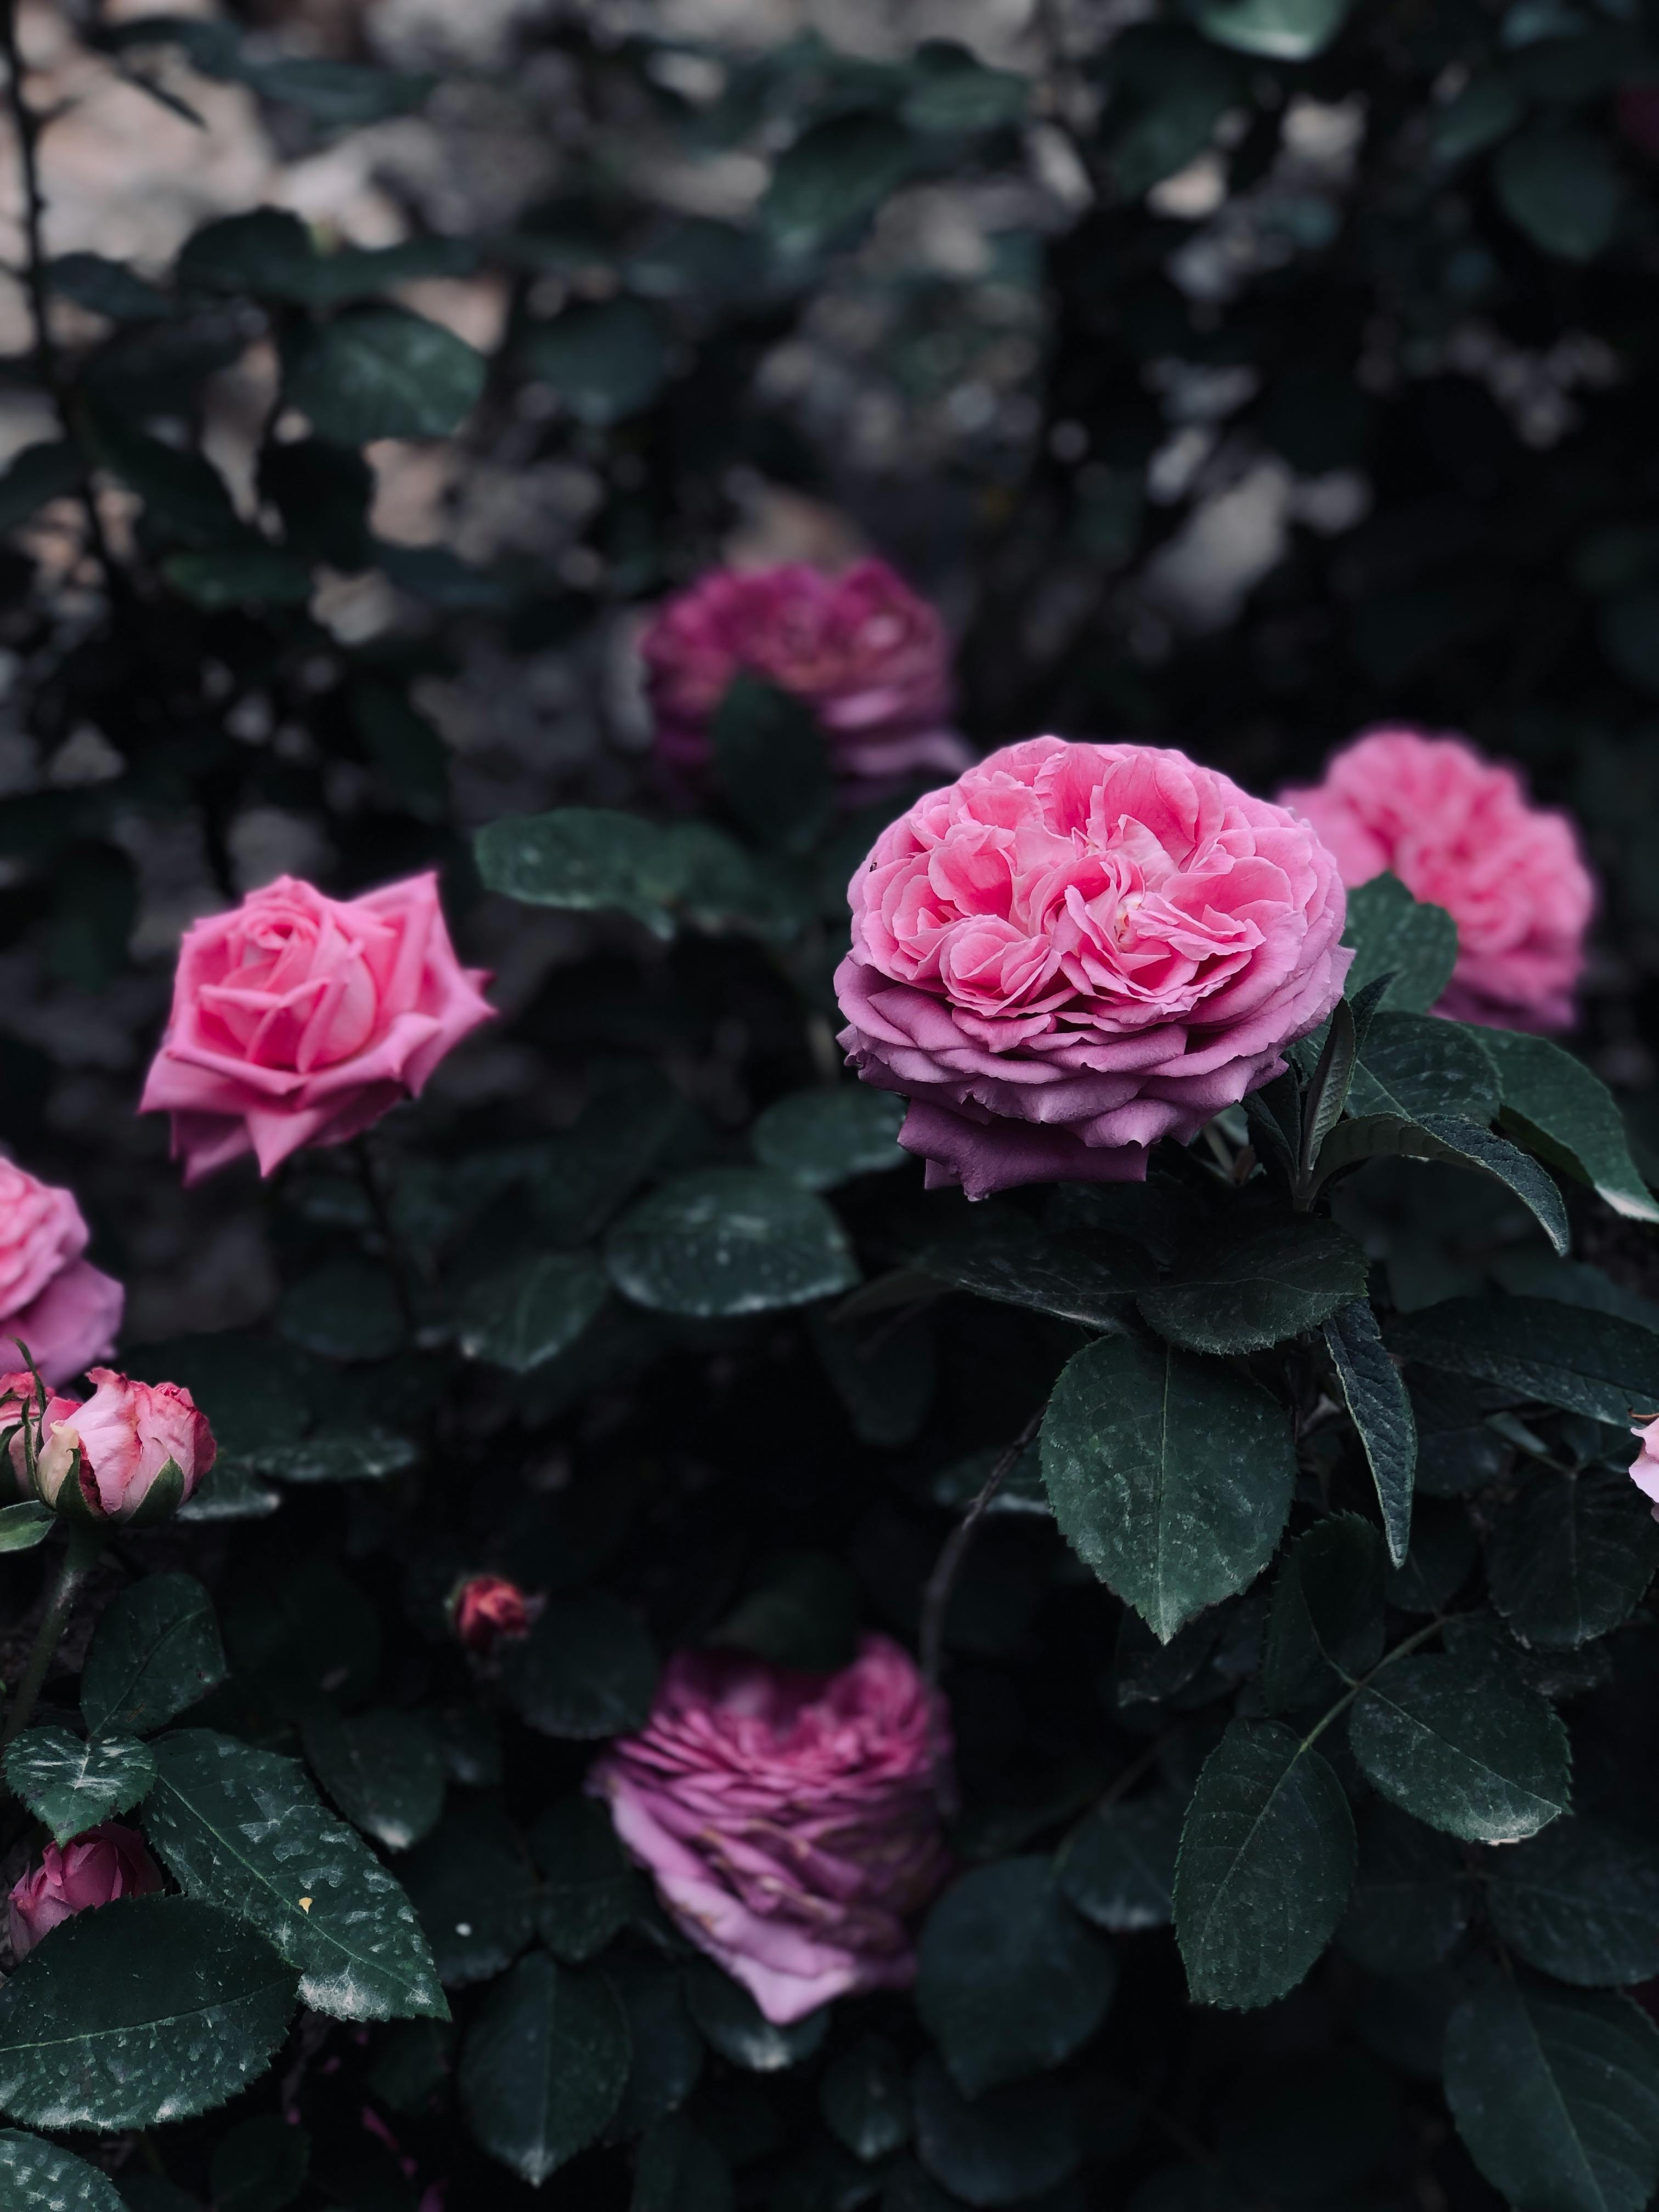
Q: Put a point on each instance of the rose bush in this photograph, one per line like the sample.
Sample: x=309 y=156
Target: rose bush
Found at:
x=1074 y=950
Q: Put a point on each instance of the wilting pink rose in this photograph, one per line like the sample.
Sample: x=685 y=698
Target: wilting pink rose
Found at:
x=1075 y=949
x=869 y=657
x=298 y=1019
x=1644 y=1468
x=122 y=1449
x=63 y=1308
x=1459 y=830
x=787 y=1820
x=485 y=1607
x=96 y=1868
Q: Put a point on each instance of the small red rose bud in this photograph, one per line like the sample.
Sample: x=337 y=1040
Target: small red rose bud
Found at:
x=485 y=1607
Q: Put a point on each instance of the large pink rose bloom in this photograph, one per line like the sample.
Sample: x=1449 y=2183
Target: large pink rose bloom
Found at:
x=63 y=1308
x=1459 y=830
x=789 y=1819
x=96 y=1868
x=1075 y=949
x=298 y=1019
x=869 y=657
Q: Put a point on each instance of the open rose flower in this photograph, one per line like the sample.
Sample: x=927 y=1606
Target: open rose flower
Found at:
x=96 y=1868
x=300 y=1019
x=1460 y=831
x=787 y=1820
x=869 y=657
x=1075 y=949
x=1644 y=1468
x=486 y=1607
x=65 y=1310
x=133 y=1451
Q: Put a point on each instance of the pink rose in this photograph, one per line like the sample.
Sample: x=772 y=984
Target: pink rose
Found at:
x=96 y=1868
x=1459 y=830
x=298 y=1019
x=486 y=1607
x=1075 y=949
x=1644 y=1468
x=133 y=1451
x=869 y=657
x=787 y=1820
x=63 y=1308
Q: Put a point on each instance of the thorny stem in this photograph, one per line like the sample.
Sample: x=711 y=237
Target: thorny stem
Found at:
x=84 y=1546
x=28 y=124
x=936 y=1597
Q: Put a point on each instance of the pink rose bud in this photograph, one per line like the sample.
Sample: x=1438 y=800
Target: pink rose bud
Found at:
x=1075 y=949
x=105 y=1863
x=869 y=657
x=1460 y=831
x=133 y=1451
x=63 y=1308
x=298 y=1019
x=788 y=1821
x=486 y=1607
x=1644 y=1468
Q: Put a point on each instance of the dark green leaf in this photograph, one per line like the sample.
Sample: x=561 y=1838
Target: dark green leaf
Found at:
x=341 y=1455
x=668 y=2051
x=1266 y=1862
x=24 y=1525
x=260 y=2166
x=1089 y=1282
x=1328 y=1087
x=1279 y=30
x=1011 y=2144
x=727 y=1241
x=953 y=91
x=606 y=359
x=1117 y=1865
x=1394 y=931
x=383 y=1769
x=832 y=179
x=244 y=1829
x=36 y=2176
x=1557 y=1108
x=1569 y=1558
x=1326 y=1625
x=106 y=288
x=586 y=1670
x=470 y=1885
x=773 y=764
x=1412 y=1897
x=1170 y=1476
x=1556 y=2093
x=382 y=373
x=589 y=1891
x=532 y=1311
x=679 y=2170
x=268 y=253
x=405 y=747
x=734 y=2025
x=865 y=2099
x=1415 y=1064
x=72 y=1785
x=1258 y=1284
x=253 y=1389
x=339 y=94
x=1583 y=1362
x=48 y=471
x=153 y=1653
x=1465 y=1752
x=323 y=494
x=347 y=1309
x=1381 y=1410
x=180 y=489
x=1443 y=1550
x=312 y=1637
x=1009 y=1982
x=1561 y=189
x=240 y=576
x=1581 y=1902
x=544 y=2066
x=825 y=1136
x=802 y=1614
x=884 y=1376
x=153 y=2010
x=585 y=859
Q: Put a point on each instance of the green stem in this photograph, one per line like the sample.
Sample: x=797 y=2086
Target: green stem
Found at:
x=84 y=1546
x=1409 y=1643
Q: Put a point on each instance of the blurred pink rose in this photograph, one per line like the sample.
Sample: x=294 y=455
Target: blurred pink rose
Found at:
x=866 y=653
x=1644 y=1469
x=63 y=1308
x=1075 y=949
x=298 y=1019
x=787 y=1820
x=118 y=1447
x=1459 y=829
x=105 y=1863
x=484 y=1609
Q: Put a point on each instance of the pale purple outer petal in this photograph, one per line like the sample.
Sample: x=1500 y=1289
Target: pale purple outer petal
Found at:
x=74 y=1321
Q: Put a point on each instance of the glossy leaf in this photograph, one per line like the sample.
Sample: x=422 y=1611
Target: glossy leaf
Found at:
x=154 y=1654
x=1559 y=188
x=71 y=1785
x=589 y=1889
x=1266 y=1862
x=1395 y=933
x=606 y=359
x=1580 y=1902
x=1326 y=1625
x=585 y=859
x=1412 y=1897
x=773 y=764
x=1279 y=30
x=1258 y=1286
x=37 y=2176
x=727 y=1241
x=543 y=2065
x=532 y=1311
x=1465 y=1752
x=1117 y=1865
x=1005 y=2147
x=383 y=1769
x=1557 y=1108
x=734 y=2025
x=1170 y=1476
x=586 y=1670
x=1379 y=1408
x=1569 y=1557
x=1583 y=1362
x=472 y=1889
x=24 y=1525
x=824 y=1137
x=866 y=2099
x=382 y=373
